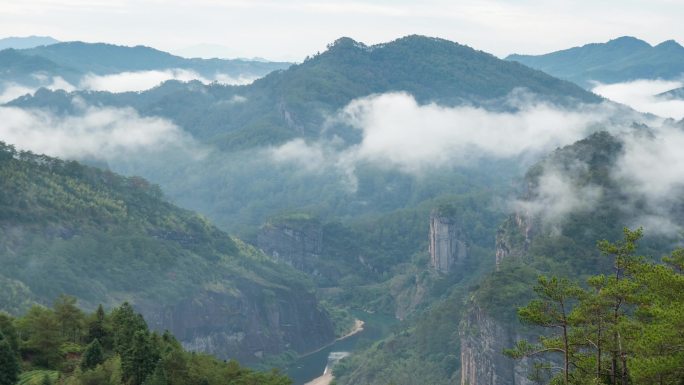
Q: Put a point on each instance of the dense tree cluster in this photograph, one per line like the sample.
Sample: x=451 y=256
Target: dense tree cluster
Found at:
x=64 y=345
x=623 y=328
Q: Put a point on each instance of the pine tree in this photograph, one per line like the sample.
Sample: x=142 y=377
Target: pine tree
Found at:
x=658 y=344
x=9 y=364
x=92 y=356
x=69 y=316
x=618 y=291
x=552 y=310
x=126 y=324
x=140 y=359
x=96 y=326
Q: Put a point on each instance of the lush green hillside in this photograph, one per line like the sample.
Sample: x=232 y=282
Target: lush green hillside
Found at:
x=619 y=60
x=64 y=345
x=481 y=310
x=240 y=188
x=68 y=228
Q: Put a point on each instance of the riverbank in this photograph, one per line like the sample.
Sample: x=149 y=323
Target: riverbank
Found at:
x=358 y=327
x=327 y=377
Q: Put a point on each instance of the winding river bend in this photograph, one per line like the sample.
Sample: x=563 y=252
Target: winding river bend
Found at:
x=312 y=366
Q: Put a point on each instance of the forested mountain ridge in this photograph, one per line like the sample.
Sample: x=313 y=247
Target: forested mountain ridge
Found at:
x=26 y=42
x=619 y=60
x=73 y=65
x=67 y=228
x=102 y=58
x=297 y=101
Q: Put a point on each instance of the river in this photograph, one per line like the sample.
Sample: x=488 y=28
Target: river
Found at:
x=311 y=366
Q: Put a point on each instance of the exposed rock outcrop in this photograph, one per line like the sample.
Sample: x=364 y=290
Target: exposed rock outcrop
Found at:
x=513 y=237
x=297 y=242
x=233 y=325
x=448 y=247
x=483 y=340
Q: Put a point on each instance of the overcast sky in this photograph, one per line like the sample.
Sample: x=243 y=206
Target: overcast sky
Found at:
x=293 y=29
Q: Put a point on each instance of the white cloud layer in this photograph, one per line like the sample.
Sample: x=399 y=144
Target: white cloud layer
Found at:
x=649 y=171
x=10 y=91
x=399 y=133
x=558 y=195
x=119 y=82
x=144 y=80
x=96 y=133
x=641 y=95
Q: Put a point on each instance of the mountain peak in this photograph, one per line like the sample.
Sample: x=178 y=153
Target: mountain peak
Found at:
x=26 y=42
x=628 y=41
x=346 y=42
x=669 y=44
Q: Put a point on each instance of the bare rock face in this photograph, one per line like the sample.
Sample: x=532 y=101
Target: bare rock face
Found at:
x=483 y=340
x=297 y=243
x=513 y=237
x=448 y=248
x=246 y=323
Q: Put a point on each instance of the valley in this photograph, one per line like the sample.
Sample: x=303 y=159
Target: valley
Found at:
x=374 y=214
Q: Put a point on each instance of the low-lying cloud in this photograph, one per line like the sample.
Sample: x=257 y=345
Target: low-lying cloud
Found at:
x=649 y=172
x=95 y=133
x=11 y=90
x=558 y=194
x=651 y=169
x=136 y=81
x=642 y=96
x=397 y=132
x=145 y=80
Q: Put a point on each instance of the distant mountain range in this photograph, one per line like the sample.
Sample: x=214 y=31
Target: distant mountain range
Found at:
x=619 y=60
x=26 y=42
x=296 y=102
x=71 y=61
x=677 y=93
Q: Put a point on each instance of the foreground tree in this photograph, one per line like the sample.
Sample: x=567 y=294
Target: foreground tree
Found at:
x=140 y=359
x=619 y=291
x=626 y=328
x=9 y=364
x=92 y=356
x=658 y=344
x=552 y=310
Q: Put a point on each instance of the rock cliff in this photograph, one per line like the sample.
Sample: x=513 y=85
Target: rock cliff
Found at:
x=513 y=237
x=447 y=245
x=483 y=340
x=296 y=242
x=245 y=324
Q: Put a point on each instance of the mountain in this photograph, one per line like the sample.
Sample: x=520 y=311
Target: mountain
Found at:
x=101 y=58
x=297 y=101
x=19 y=67
x=79 y=65
x=26 y=42
x=531 y=243
x=359 y=232
x=70 y=229
x=677 y=93
x=619 y=60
